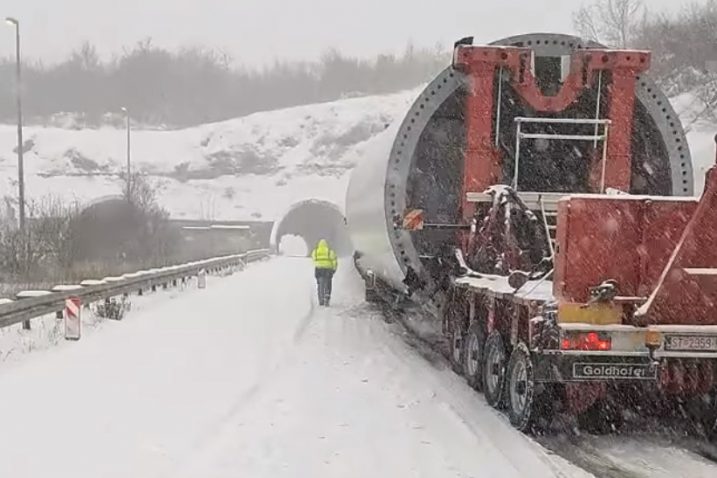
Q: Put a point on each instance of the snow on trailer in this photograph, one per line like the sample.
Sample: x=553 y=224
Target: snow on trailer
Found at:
x=533 y=292
x=538 y=197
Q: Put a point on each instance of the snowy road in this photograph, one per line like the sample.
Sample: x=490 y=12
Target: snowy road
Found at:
x=247 y=378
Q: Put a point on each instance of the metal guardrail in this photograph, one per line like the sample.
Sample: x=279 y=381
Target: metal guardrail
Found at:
x=22 y=310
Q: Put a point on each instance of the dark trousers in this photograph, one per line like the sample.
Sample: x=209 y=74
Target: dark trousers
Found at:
x=324 y=278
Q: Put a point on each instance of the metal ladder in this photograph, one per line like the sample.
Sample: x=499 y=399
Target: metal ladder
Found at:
x=550 y=214
x=595 y=138
x=550 y=222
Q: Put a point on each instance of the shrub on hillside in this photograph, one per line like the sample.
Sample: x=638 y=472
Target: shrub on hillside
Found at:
x=67 y=242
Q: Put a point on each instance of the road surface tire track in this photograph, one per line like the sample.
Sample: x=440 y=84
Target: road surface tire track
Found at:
x=582 y=454
x=437 y=357
x=225 y=421
x=305 y=321
x=588 y=458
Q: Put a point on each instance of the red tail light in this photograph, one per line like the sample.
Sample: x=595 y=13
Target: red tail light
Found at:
x=586 y=341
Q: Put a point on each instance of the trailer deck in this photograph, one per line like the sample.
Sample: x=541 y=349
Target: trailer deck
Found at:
x=534 y=292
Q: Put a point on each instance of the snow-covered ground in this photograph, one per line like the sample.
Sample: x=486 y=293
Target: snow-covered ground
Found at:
x=48 y=332
x=632 y=456
x=230 y=381
x=253 y=167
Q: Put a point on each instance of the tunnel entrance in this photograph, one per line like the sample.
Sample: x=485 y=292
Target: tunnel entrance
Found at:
x=311 y=220
x=291 y=245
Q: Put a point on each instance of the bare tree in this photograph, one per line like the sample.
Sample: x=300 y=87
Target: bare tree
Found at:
x=155 y=239
x=142 y=193
x=52 y=232
x=613 y=22
x=48 y=241
x=11 y=257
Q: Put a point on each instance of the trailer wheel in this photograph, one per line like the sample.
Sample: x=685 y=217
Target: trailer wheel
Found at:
x=521 y=389
x=530 y=405
x=494 y=370
x=473 y=348
x=457 y=338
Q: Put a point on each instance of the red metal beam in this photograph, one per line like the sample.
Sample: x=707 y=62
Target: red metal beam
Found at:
x=482 y=163
x=625 y=68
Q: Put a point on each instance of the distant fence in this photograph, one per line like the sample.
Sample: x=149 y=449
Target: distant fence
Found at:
x=40 y=304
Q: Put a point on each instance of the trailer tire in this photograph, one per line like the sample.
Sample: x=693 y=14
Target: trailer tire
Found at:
x=530 y=405
x=494 y=370
x=472 y=354
x=521 y=389
x=457 y=338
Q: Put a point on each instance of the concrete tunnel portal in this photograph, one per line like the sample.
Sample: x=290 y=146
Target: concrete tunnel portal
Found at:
x=313 y=220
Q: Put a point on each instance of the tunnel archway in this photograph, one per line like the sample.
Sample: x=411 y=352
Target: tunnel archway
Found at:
x=292 y=245
x=313 y=220
x=108 y=228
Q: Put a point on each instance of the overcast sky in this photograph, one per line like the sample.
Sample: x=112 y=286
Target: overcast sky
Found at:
x=257 y=31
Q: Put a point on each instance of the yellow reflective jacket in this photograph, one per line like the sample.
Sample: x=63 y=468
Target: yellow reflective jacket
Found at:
x=324 y=257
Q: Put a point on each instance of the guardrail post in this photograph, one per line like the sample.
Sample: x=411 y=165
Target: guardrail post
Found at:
x=26 y=325
x=202 y=279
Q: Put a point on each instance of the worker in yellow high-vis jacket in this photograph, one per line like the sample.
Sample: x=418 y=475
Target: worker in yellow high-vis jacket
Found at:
x=325 y=264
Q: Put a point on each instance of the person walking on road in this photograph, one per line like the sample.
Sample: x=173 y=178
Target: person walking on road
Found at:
x=325 y=264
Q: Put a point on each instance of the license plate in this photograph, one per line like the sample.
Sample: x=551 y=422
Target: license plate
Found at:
x=691 y=343
x=613 y=371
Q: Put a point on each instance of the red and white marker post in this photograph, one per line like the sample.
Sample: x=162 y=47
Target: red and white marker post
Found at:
x=73 y=319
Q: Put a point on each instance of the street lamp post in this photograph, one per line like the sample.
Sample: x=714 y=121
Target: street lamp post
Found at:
x=20 y=164
x=18 y=93
x=129 y=177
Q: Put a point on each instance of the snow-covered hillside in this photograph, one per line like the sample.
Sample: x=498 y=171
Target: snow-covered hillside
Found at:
x=248 y=168
x=253 y=167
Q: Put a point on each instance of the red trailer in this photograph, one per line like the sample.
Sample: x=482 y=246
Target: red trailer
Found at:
x=538 y=196
x=576 y=299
